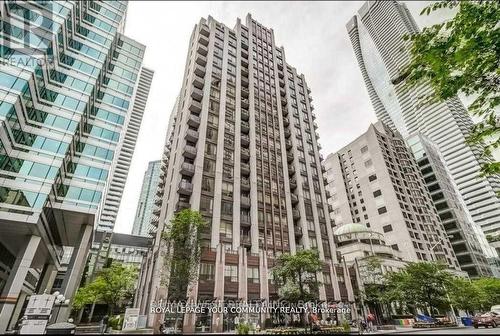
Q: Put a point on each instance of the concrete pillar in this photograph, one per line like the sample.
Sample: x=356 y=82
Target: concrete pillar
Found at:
x=348 y=284
x=17 y=310
x=335 y=282
x=217 y=318
x=264 y=284
x=47 y=278
x=192 y=297
x=75 y=269
x=242 y=277
x=12 y=289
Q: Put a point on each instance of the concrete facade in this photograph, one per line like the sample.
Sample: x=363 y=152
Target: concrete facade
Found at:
x=242 y=149
x=375 y=181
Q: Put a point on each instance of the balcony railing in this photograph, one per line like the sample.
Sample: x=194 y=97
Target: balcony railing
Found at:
x=185 y=188
x=191 y=135
x=189 y=151
x=187 y=169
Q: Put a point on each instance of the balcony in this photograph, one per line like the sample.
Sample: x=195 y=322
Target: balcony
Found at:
x=158 y=201
x=189 y=152
x=323 y=169
x=245 y=140
x=330 y=208
x=280 y=74
x=280 y=66
x=244 y=115
x=203 y=40
x=204 y=30
x=244 y=46
x=244 y=62
x=244 y=53
x=202 y=50
x=286 y=121
x=198 y=82
x=289 y=157
x=187 y=169
x=194 y=106
x=291 y=170
x=245 y=153
x=298 y=230
x=194 y=120
x=185 y=188
x=160 y=192
x=244 y=92
x=245 y=127
x=244 y=81
x=288 y=144
x=312 y=107
x=199 y=70
x=293 y=184
x=282 y=83
x=282 y=93
x=244 y=70
x=245 y=201
x=245 y=240
x=191 y=135
x=157 y=211
x=244 y=103
x=181 y=205
x=201 y=60
x=197 y=94
x=287 y=133
x=295 y=214
x=245 y=169
x=284 y=111
x=245 y=184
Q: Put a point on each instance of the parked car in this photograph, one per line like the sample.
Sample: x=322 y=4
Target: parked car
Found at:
x=495 y=309
x=488 y=319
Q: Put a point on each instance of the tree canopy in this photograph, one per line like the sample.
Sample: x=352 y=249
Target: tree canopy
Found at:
x=113 y=285
x=296 y=275
x=462 y=55
x=183 y=235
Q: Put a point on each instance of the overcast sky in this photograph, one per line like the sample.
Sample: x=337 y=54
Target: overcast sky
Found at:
x=316 y=44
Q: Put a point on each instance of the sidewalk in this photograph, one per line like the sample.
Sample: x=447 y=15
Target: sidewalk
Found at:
x=402 y=330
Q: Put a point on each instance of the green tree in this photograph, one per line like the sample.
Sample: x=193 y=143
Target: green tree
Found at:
x=184 y=239
x=295 y=274
x=462 y=55
x=113 y=286
x=490 y=289
x=420 y=285
x=466 y=295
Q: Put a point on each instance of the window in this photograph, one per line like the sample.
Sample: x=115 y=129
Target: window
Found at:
x=253 y=275
x=377 y=193
x=368 y=163
x=364 y=149
x=231 y=273
x=372 y=177
x=387 y=228
x=327 y=278
x=382 y=210
x=207 y=271
x=226 y=229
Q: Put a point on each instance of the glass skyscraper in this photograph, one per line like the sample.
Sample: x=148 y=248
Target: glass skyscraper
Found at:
x=146 y=203
x=68 y=81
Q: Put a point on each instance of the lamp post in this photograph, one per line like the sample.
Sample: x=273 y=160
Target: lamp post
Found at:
x=60 y=300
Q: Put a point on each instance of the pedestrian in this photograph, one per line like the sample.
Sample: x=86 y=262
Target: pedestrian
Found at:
x=371 y=320
x=104 y=324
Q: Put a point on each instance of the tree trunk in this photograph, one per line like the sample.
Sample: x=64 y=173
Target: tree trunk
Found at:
x=91 y=312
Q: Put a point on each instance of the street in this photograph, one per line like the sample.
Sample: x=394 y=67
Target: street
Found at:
x=454 y=331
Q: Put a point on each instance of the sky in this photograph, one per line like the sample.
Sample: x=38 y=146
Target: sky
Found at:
x=316 y=44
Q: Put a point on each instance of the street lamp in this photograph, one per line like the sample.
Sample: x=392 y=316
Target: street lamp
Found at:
x=60 y=300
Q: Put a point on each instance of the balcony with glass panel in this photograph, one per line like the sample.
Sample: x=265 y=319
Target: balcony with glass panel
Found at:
x=245 y=201
x=196 y=94
x=189 y=151
x=245 y=127
x=191 y=135
x=245 y=169
x=185 y=188
x=187 y=169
